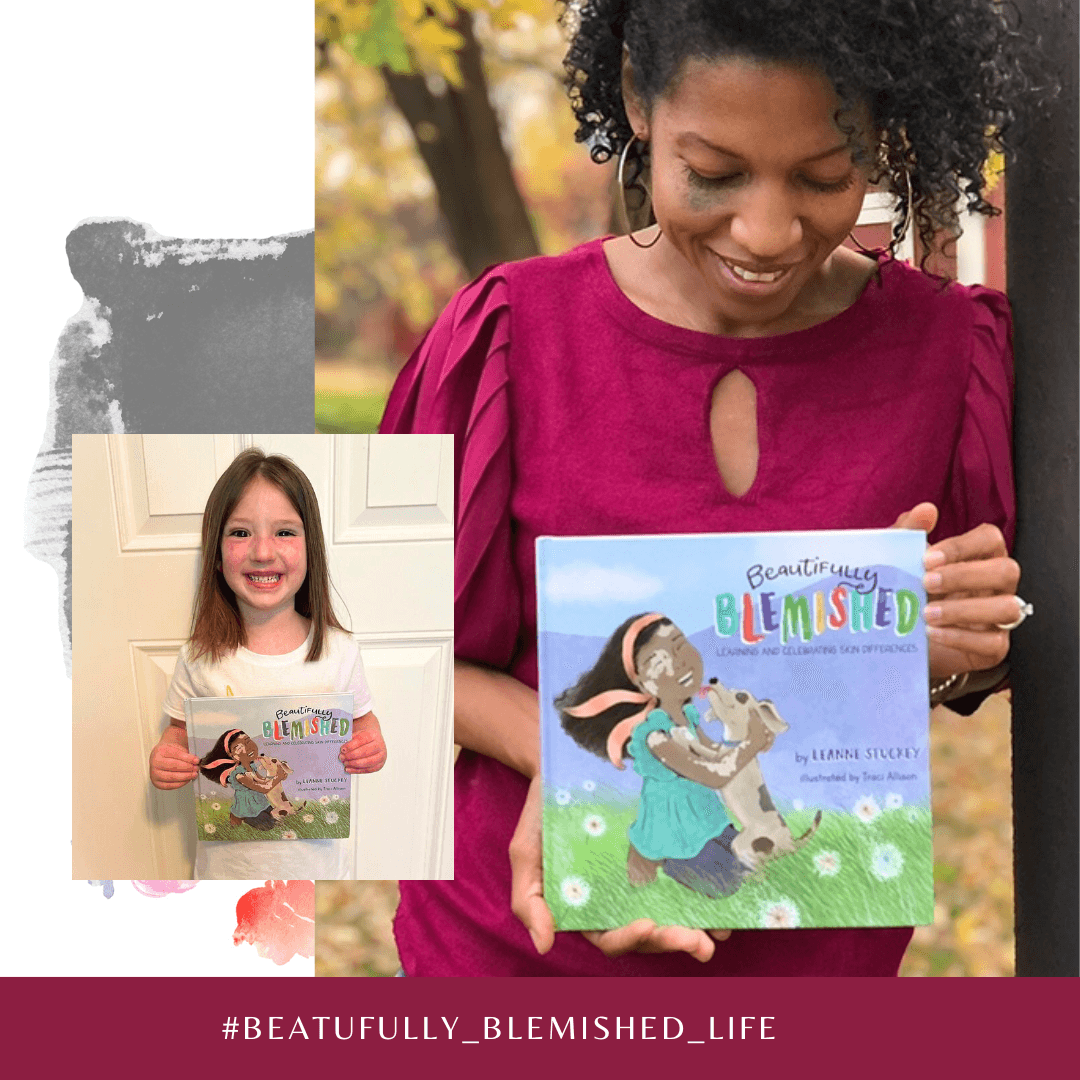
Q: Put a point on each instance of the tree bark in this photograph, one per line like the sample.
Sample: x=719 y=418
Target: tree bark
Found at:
x=457 y=133
x=1041 y=226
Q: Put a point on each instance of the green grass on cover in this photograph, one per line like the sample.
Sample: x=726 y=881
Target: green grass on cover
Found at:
x=329 y=821
x=587 y=889
x=337 y=413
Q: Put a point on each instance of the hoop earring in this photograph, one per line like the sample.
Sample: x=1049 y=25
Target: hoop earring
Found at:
x=637 y=185
x=898 y=235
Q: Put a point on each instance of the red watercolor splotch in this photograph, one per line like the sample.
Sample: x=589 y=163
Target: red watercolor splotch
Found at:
x=278 y=918
x=163 y=888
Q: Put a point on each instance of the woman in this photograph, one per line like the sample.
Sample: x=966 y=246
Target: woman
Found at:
x=732 y=368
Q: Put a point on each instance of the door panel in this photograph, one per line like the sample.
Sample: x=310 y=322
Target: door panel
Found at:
x=410 y=678
x=160 y=484
x=396 y=490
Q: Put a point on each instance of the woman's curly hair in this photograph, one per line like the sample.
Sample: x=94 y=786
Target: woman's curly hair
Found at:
x=946 y=81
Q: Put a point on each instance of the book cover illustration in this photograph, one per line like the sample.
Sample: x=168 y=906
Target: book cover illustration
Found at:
x=269 y=767
x=735 y=730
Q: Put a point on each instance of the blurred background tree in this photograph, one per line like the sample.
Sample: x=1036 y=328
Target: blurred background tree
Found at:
x=444 y=144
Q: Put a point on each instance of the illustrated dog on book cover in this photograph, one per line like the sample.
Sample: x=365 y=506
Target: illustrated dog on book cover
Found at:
x=277 y=770
x=764 y=834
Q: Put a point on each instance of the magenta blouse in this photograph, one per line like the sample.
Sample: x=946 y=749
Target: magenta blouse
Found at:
x=576 y=413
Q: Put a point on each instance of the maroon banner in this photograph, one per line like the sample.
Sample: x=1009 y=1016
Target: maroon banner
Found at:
x=880 y=1027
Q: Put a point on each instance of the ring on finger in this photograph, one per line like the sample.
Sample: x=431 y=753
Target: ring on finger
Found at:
x=1026 y=609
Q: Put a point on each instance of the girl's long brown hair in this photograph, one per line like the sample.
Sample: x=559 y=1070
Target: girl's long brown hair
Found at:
x=216 y=627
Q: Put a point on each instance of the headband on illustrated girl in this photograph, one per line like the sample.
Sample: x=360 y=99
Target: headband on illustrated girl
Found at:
x=605 y=700
x=226 y=760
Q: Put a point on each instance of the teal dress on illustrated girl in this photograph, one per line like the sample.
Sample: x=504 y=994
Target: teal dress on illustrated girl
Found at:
x=676 y=817
x=246 y=803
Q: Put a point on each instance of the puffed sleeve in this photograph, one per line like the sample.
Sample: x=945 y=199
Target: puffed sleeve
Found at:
x=981 y=487
x=457 y=382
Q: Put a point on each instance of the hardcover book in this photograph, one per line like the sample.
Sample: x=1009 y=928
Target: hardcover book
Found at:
x=735 y=730
x=269 y=767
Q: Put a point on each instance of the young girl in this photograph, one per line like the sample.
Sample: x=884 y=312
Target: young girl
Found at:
x=640 y=689
x=732 y=368
x=263 y=624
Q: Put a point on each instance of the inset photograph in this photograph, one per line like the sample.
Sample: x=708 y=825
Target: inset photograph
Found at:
x=262 y=657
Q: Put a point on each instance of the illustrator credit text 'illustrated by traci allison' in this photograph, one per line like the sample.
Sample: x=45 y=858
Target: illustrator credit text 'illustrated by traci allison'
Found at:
x=269 y=767
x=735 y=730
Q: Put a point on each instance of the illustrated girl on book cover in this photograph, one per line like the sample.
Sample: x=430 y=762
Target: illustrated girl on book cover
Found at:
x=234 y=763
x=637 y=701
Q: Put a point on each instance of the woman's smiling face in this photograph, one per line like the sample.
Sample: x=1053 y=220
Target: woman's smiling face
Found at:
x=753 y=183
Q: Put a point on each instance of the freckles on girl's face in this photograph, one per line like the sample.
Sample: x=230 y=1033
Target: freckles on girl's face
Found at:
x=753 y=182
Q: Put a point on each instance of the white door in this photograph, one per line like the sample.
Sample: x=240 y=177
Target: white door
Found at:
x=386 y=503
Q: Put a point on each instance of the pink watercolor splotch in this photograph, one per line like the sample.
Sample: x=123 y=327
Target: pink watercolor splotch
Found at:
x=278 y=918
x=163 y=888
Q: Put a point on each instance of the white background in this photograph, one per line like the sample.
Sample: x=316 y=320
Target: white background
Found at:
x=195 y=119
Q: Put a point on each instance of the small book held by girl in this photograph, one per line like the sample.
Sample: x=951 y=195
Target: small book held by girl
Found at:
x=735 y=730
x=269 y=766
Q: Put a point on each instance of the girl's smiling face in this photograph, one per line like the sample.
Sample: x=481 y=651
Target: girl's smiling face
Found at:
x=243 y=749
x=263 y=550
x=753 y=185
x=669 y=668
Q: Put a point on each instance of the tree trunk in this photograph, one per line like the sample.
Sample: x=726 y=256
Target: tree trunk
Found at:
x=457 y=133
x=1043 y=277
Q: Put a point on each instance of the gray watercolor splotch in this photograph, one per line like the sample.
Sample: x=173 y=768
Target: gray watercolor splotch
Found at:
x=173 y=336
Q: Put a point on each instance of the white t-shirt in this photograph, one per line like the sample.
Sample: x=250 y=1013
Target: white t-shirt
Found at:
x=249 y=674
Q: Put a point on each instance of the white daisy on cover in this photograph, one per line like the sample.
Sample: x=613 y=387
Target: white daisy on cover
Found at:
x=215 y=806
x=867 y=809
x=331 y=817
x=209 y=827
x=324 y=799
x=575 y=891
x=589 y=785
x=594 y=825
x=309 y=818
x=886 y=861
x=562 y=797
x=781 y=914
x=894 y=800
x=827 y=863
x=204 y=797
x=289 y=835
